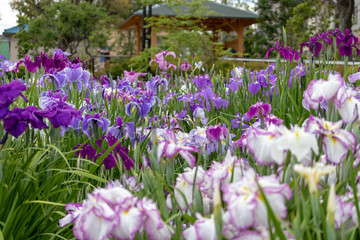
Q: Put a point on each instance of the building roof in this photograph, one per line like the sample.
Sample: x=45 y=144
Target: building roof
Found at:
x=216 y=10
x=14 y=30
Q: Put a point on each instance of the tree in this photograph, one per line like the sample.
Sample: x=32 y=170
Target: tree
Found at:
x=64 y=25
x=116 y=11
x=30 y=8
x=186 y=33
x=273 y=15
x=308 y=19
x=344 y=10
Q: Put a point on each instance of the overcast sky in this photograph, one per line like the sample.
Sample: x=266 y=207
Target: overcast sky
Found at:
x=8 y=17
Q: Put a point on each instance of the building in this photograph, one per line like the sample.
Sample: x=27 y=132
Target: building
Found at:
x=9 y=43
x=222 y=17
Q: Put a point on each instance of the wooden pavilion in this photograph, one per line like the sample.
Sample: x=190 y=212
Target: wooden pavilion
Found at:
x=221 y=17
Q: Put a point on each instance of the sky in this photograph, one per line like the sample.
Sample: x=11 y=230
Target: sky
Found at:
x=8 y=17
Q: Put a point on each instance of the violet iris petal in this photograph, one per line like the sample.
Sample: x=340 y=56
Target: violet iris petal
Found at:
x=130 y=130
x=233 y=86
x=254 y=87
x=89 y=120
x=14 y=124
x=30 y=114
x=219 y=103
x=109 y=162
x=87 y=151
x=144 y=108
x=202 y=82
x=155 y=83
x=258 y=109
x=59 y=79
x=17 y=120
x=10 y=91
x=122 y=152
x=73 y=75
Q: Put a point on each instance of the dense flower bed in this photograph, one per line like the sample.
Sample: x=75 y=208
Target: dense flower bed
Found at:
x=245 y=155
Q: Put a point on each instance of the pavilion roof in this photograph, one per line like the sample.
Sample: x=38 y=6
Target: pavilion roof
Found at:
x=216 y=11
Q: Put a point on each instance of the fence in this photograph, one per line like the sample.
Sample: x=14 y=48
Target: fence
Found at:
x=274 y=60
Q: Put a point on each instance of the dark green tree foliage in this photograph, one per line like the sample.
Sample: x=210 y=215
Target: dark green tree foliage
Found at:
x=64 y=25
x=29 y=9
x=273 y=15
x=309 y=18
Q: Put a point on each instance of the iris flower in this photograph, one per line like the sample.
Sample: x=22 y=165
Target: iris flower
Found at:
x=313 y=44
x=313 y=174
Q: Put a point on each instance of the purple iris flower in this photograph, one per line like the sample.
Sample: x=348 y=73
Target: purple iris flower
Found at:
x=32 y=66
x=86 y=152
x=130 y=130
x=182 y=114
x=124 y=85
x=254 y=87
x=233 y=85
x=8 y=93
x=325 y=37
x=296 y=73
x=215 y=133
x=155 y=83
x=122 y=152
x=346 y=43
x=89 y=120
x=168 y=97
x=286 y=52
x=14 y=124
x=78 y=75
x=219 y=102
x=109 y=162
x=17 y=120
x=314 y=45
x=202 y=82
x=208 y=94
x=57 y=110
x=7 y=66
x=262 y=79
x=59 y=79
x=160 y=59
x=59 y=59
x=185 y=66
x=119 y=122
x=73 y=74
x=257 y=110
x=236 y=122
x=144 y=107
x=132 y=76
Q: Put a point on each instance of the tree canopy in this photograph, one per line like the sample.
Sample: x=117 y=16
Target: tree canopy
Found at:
x=64 y=25
x=68 y=24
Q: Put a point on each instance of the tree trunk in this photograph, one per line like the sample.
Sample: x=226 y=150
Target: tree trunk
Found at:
x=346 y=10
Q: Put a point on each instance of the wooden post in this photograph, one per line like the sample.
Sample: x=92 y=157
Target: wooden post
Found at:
x=240 y=41
x=138 y=44
x=215 y=36
x=153 y=38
